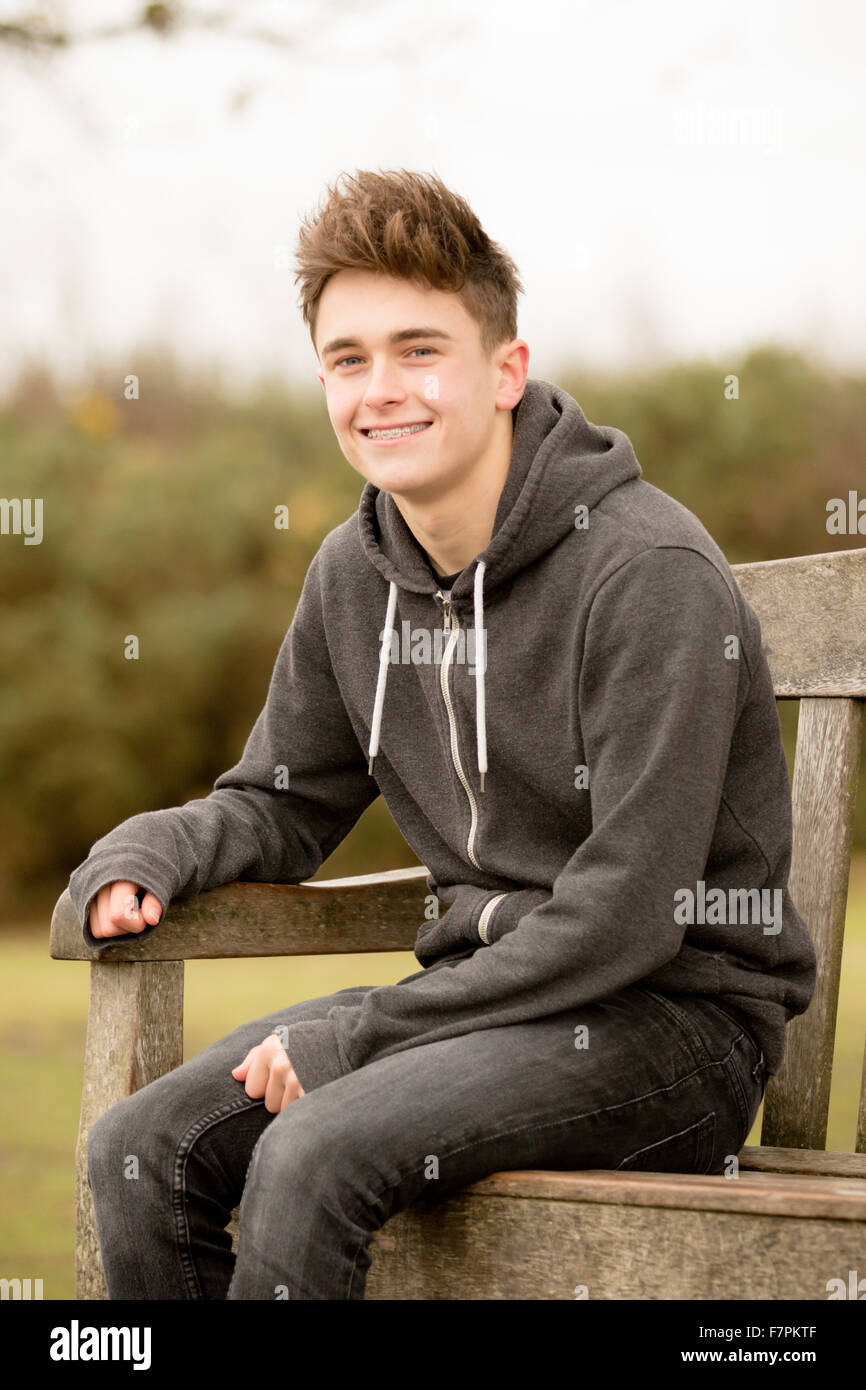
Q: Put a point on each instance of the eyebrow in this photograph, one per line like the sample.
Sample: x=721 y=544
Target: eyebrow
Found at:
x=337 y=344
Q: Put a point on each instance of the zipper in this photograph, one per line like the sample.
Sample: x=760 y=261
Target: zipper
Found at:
x=453 y=627
x=484 y=919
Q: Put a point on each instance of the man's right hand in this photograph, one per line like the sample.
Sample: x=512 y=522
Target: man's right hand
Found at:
x=115 y=912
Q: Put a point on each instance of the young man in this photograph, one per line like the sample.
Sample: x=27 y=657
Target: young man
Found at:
x=544 y=665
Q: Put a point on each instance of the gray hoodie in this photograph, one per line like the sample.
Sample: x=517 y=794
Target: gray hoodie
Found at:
x=581 y=745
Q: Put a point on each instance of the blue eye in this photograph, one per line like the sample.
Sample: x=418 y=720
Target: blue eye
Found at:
x=343 y=360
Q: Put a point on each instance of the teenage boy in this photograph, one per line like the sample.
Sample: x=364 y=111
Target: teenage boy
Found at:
x=544 y=665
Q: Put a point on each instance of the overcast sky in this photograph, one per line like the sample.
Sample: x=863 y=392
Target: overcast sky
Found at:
x=673 y=179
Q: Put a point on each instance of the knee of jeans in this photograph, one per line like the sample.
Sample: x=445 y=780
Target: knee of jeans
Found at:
x=298 y=1149
x=114 y=1140
x=102 y=1143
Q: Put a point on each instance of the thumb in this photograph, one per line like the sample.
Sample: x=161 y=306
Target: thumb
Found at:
x=242 y=1067
x=151 y=908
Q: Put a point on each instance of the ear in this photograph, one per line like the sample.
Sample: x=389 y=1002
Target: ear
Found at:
x=513 y=371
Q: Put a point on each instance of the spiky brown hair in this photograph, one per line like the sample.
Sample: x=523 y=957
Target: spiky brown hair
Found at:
x=409 y=225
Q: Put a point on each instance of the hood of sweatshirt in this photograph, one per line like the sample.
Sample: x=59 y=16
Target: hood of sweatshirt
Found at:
x=560 y=464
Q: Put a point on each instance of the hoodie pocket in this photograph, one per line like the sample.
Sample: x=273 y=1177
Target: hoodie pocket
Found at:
x=456 y=929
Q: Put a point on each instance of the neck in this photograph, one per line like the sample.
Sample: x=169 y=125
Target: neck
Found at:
x=456 y=527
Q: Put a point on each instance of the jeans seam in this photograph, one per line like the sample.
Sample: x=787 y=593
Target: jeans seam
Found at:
x=568 y=1119
x=195 y=1131
x=690 y=1031
x=685 y=1023
x=742 y=1101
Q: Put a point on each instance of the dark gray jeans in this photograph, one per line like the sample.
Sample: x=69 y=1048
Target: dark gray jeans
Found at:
x=670 y=1084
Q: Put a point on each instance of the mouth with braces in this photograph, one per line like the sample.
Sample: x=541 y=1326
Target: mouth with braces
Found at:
x=398 y=431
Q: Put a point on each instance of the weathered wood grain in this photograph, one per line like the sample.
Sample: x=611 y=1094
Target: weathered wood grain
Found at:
x=826 y=769
x=470 y=1247
x=134 y=1035
x=797 y=1194
x=371 y=912
x=776 y=1160
x=812 y=611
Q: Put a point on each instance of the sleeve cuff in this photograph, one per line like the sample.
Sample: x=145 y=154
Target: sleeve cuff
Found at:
x=97 y=871
x=508 y=914
x=314 y=1052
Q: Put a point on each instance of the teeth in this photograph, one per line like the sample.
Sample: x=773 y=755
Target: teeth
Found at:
x=393 y=434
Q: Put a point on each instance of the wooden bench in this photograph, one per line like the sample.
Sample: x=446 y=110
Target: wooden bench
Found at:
x=794 y=1217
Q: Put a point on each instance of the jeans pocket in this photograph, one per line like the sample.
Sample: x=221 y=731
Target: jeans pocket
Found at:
x=690 y=1150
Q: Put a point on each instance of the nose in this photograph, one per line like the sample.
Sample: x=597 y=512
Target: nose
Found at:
x=383 y=385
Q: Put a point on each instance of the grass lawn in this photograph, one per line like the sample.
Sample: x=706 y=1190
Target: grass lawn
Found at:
x=42 y=1026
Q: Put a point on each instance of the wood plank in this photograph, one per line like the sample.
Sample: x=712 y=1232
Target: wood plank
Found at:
x=766 y=1159
x=753 y=1157
x=504 y=1247
x=134 y=1036
x=826 y=772
x=811 y=609
x=790 y=1194
x=370 y=912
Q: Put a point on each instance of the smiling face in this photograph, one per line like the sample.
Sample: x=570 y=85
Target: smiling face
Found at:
x=396 y=354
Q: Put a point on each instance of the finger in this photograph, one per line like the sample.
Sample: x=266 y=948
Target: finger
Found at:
x=99 y=923
x=242 y=1066
x=151 y=908
x=257 y=1076
x=123 y=910
x=277 y=1089
x=294 y=1089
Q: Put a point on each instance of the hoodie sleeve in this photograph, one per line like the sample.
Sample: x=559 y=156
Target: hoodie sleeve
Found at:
x=298 y=789
x=660 y=687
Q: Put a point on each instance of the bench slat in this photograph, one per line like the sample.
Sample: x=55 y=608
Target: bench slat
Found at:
x=811 y=611
x=769 y=1160
x=373 y=912
x=792 y=1194
x=826 y=769
x=517 y=1247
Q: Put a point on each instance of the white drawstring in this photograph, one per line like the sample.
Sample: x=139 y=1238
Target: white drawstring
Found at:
x=384 y=656
x=480 y=664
